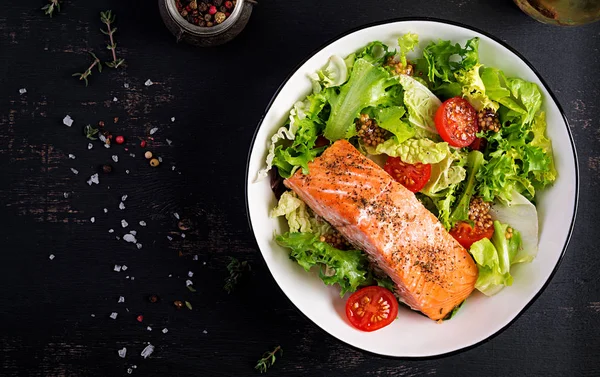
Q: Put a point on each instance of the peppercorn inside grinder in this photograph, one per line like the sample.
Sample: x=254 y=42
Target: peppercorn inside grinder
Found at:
x=205 y=23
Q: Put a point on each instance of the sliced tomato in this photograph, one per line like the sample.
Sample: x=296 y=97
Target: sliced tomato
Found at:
x=412 y=176
x=456 y=122
x=477 y=144
x=371 y=308
x=466 y=235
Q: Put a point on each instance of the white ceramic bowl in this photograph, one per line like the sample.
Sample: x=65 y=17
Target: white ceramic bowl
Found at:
x=412 y=334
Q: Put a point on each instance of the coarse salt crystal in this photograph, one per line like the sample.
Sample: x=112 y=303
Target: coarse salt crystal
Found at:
x=124 y=268
x=165 y=330
x=190 y=274
x=173 y=167
x=132 y=278
x=117 y=268
x=75 y=171
x=188 y=283
x=121 y=299
x=105 y=210
x=51 y=256
x=93 y=220
x=114 y=315
x=176 y=215
x=153 y=130
x=170 y=275
x=111 y=231
x=115 y=99
x=117 y=237
x=133 y=232
x=172 y=119
x=121 y=205
x=149 y=328
x=147 y=351
x=148 y=82
x=93 y=179
x=124 y=223
x=90 y=146
x=129 y=370
x=195 y=257
x=102 y=138
x=122 y=352
x=142 y=223
x=115 y=158
x=106 y=146
x=204 y=263
x=132 y=155
x=71 y=156
x=22 y=91
x=126 y=85
x=124 y=197
x=93 y=315
x=205 y=332
x=139 y=245
x=68 y=121
x=169 y=141
x=129 y=238
x=127 y=171
x=66 y=195
x=160 y=159
x=182 y=235
x=170 y=238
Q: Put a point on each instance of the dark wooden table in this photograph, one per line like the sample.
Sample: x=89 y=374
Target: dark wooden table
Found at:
x=54 y=314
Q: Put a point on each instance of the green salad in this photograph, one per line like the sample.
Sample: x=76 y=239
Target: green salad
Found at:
x=467 y=139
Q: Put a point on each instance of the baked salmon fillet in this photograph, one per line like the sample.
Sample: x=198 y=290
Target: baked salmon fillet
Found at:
x=433 y=272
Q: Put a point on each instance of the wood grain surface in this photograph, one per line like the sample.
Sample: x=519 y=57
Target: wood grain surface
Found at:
x=217 y=96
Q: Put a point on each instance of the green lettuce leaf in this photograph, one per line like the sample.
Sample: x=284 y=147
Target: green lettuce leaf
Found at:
x=473 y=89
x=421 y=104
x=347 y=268
x=335 y=73
x=375 y=53
x=295 y=211
x=369 y=85
x=546 y=173
x=407 y=43
x=475 y=161
x=390 y=118
x=450 y=171
x=425 y=151
x=494 y=259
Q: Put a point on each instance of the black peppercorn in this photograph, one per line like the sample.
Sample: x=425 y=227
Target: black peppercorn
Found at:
x=178 y=304
x=106 y=168
x=218 y=2
x=207 y=17
x=153 y=298
x=202 y=7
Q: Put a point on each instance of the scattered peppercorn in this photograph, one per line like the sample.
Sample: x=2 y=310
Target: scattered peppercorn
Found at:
x=140 y=318
x=509 y=233
x=488 y=120
x=153 y=298
x=369 y=131
x=335 y=239
x=101 y=123
x=178 y=304
x=143 y=143
x=205 y=13
x=148 y=155
x=184 y=224
x=116 y=119
x=154 y=162
x=119 y=139
x=106 y=168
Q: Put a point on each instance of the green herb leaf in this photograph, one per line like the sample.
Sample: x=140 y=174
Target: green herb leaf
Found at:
x=188 y=305
x=90 y=132
x=268 y=359
x=236 y=270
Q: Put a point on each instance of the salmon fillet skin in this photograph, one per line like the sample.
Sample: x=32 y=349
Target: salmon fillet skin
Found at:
x=433 y=272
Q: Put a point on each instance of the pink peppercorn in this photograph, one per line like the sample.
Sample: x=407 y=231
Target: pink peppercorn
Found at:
x=212 y=10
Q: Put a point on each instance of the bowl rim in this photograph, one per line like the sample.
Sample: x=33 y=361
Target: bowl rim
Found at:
x=552 y=96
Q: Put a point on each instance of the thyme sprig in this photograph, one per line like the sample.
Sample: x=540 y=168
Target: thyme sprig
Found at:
x=236 y=270
x=88 y=72
x=53 y=5
x=90 y=132
x=268 y=359
x=108 y=18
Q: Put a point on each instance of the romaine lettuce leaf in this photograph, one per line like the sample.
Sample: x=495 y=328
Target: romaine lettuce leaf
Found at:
x=295 y=211
x=450 y=171
x=348 y=268
x=547 y=174
x=461 y=212
x=390 y=119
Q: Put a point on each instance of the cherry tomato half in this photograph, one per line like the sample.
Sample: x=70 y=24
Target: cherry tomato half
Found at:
x=413 y=177
x=466 y=235
x=456 y=122
x=371 y=308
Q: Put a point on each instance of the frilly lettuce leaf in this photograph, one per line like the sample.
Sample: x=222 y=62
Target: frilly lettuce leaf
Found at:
x=295 y=211
x=407 y=43
x=348 y=268
x=473 y=89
